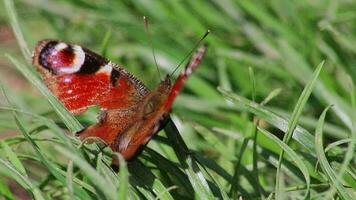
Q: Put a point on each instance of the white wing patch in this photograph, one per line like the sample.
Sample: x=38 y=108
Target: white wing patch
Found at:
x=79 y=57
x=106 y=69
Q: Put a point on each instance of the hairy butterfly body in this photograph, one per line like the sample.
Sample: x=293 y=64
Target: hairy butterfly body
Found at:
x=130 y=113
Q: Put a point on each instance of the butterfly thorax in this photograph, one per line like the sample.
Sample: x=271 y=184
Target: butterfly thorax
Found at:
x=151 y=114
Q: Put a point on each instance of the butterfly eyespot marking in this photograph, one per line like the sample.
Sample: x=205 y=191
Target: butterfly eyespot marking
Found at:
x=61 y=58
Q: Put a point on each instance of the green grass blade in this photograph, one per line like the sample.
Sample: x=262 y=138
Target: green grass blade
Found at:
x=13 y=158
x=169 y=167
x=58 y=132
x=52 y=168
x=90 y=172
x=191 y=168
x=146 y=178
x=224 y=81
x=42 y=158
x=55 y=171
x=331 y=175
x=105 y=43
x=198 y=181
x=70 y=179
x=299 y=68
x=271 y=95
x=301 y=135
x=220 y=187
x=11 y=12
x=294 y=120
x=5 y=190
x=124 y=179
x=350 y=153
x=294 y=157
x=22 y=180
x=215 y=143
x=70 y=121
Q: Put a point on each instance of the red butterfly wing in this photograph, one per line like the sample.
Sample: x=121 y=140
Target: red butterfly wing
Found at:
x=81 y=78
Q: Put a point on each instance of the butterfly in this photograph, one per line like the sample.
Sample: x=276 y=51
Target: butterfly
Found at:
x=130 y=114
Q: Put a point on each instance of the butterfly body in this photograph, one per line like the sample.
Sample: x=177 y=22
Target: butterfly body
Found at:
x=130 y=113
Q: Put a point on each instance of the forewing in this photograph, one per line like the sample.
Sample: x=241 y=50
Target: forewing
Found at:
x=81 y=78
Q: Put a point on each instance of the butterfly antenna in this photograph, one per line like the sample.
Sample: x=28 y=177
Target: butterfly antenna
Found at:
x=191 y=52
x=145 y=20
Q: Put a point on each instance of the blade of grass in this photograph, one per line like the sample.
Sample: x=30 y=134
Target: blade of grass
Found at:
x=292 y=59
x=171 y=168
x=11 y=12
x=187 y=161
x=301 y=135
x=48 y=123
x=259 y=12
x=224 y=81
x=12 y=157
x=22 y=180
x=55 y=171
x=145 y=178
x=215 y=142
x=5 y=190
x=42 y=158
x=235 y=185
x=294 y=157
x=293 y=123
x=213 y=166
x=254 y=134
x=90 y=172
x=70 y=179
x=123 y=186
x=105 y=43
x=331 y=175
x=271 y=95
x=70 y=121
x=351 y=148
x=223 y=193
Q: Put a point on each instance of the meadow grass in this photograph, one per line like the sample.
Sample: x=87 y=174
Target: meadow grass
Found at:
x=270 y=113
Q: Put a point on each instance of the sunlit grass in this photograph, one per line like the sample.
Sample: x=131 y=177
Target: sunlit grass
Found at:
x=229 y=123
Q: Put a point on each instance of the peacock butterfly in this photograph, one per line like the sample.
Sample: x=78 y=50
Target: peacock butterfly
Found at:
x=130 y=113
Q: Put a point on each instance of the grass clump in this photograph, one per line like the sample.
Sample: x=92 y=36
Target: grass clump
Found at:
x=249 y=123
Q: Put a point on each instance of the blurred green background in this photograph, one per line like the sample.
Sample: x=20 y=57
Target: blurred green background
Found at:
x=257 y=49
